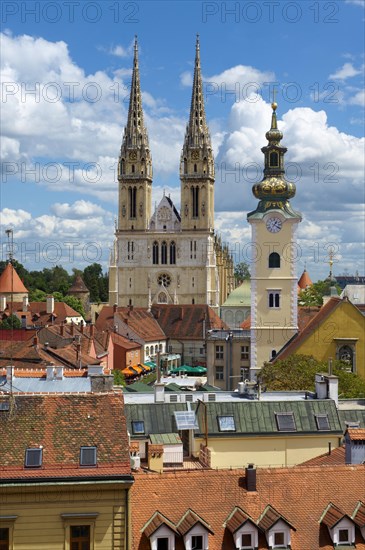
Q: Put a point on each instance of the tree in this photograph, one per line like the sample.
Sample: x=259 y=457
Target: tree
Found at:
x=75 y=303
x=119 y=378
x=298 y=373
x=313 y=295
x=96 y=282
x=37 y=295
x=11 y=322
x=241 y=272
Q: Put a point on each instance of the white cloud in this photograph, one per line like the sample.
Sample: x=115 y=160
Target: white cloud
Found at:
x=119 y=51
x=186 y=78
x=358 y=98
x=77 y=210
x=360 y=3
x=346 y=71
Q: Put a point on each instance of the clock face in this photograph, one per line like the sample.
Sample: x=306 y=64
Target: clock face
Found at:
x=274 y=225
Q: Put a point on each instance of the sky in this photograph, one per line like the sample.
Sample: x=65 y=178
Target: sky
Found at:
x=65 y=79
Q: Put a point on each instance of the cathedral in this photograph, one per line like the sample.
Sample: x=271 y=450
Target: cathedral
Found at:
x=168 y=257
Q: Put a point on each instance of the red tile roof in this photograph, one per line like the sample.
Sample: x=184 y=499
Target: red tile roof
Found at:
x=187 y=321
x=304 y=280
x=356 y=434
x=332 y=515
x=61 y=425
x=136 y=323
x=299 y=494
x=78 y=286
x=236 y=519
x=359 y=514
x=11 y=282
x=36 y=313
x=336 y=457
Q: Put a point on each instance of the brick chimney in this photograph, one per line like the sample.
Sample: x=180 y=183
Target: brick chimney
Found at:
x=72 y=328
x=62 y=329
x=92 y=330
x=115 y=307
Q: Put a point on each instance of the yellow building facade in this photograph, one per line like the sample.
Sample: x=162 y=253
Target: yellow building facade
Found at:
x=45 y=516
x=337 y=331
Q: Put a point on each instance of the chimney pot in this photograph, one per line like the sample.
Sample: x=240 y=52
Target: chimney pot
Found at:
x=251 y=478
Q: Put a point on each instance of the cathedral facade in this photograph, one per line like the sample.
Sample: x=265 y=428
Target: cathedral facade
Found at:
x=168 y=257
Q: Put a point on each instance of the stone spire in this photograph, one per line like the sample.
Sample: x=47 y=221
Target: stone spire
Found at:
x=135 y=162
x=135 y=133
x=197 y=132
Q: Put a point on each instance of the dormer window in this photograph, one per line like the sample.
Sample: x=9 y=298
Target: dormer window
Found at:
x=33 y=458
x=138 y=427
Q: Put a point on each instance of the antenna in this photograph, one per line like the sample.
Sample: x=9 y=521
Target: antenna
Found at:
x=10 y=254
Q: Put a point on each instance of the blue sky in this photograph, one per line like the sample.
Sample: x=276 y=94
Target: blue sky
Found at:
x=77 y=57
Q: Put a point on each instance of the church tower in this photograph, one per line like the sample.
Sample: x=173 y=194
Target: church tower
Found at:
x=273 y=274
x=197 y=162
x=135 y=163
x=168 y=257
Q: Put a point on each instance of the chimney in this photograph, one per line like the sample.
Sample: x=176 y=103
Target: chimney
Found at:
x=50 y=304
x=10 y=373
x=78 y=355
x=58 y=373
x=62 y=329
x=2 y=303
x=35 y=341
x=115 y=307
x=130 y=307
x=25 y=303
x=159 y=390
x=251 y=478
x=50 y=372
x=82 y=327
x=101 y=382
x=354 y=446
x=92 y=328
x=72 y=328
x=326 y=386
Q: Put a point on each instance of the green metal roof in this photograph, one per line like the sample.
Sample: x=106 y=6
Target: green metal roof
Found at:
x=158 y=418
x=352 y=415
x=250 y=417
x=240 y=296
x=138 y=387
x=165 y=439
x=258 y=417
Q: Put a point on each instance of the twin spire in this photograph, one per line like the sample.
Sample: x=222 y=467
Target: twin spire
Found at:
x=197 y=131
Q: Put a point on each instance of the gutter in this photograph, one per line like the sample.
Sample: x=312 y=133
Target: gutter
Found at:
x=67 y=480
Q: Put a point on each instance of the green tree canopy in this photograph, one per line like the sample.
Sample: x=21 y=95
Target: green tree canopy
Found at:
x=11 y=322
x=298 y=373
x=241 y=272
x=313 y=295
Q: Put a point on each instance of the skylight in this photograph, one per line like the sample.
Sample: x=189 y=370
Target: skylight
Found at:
x=186 y=420
x=87 y=456
x=322 y=422
x=226 y=424
x=33 y=458
x=285 y=422
x=138 y=427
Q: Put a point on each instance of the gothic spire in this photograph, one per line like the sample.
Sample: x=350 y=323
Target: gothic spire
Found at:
x=197 y=131
x=135 y=133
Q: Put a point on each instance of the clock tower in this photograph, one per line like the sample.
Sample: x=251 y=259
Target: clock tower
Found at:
x=273 y=273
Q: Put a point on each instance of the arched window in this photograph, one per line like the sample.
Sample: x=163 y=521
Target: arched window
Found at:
x=274 y=159
x=132 y=192
x=274 y=259
x=195 y=168
x=155 y=253
x=346 y=354
x=147 y=350
x=195 y=201
x=185 y=165
x=172 y=253
x=164 y=252
x=122 y=166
